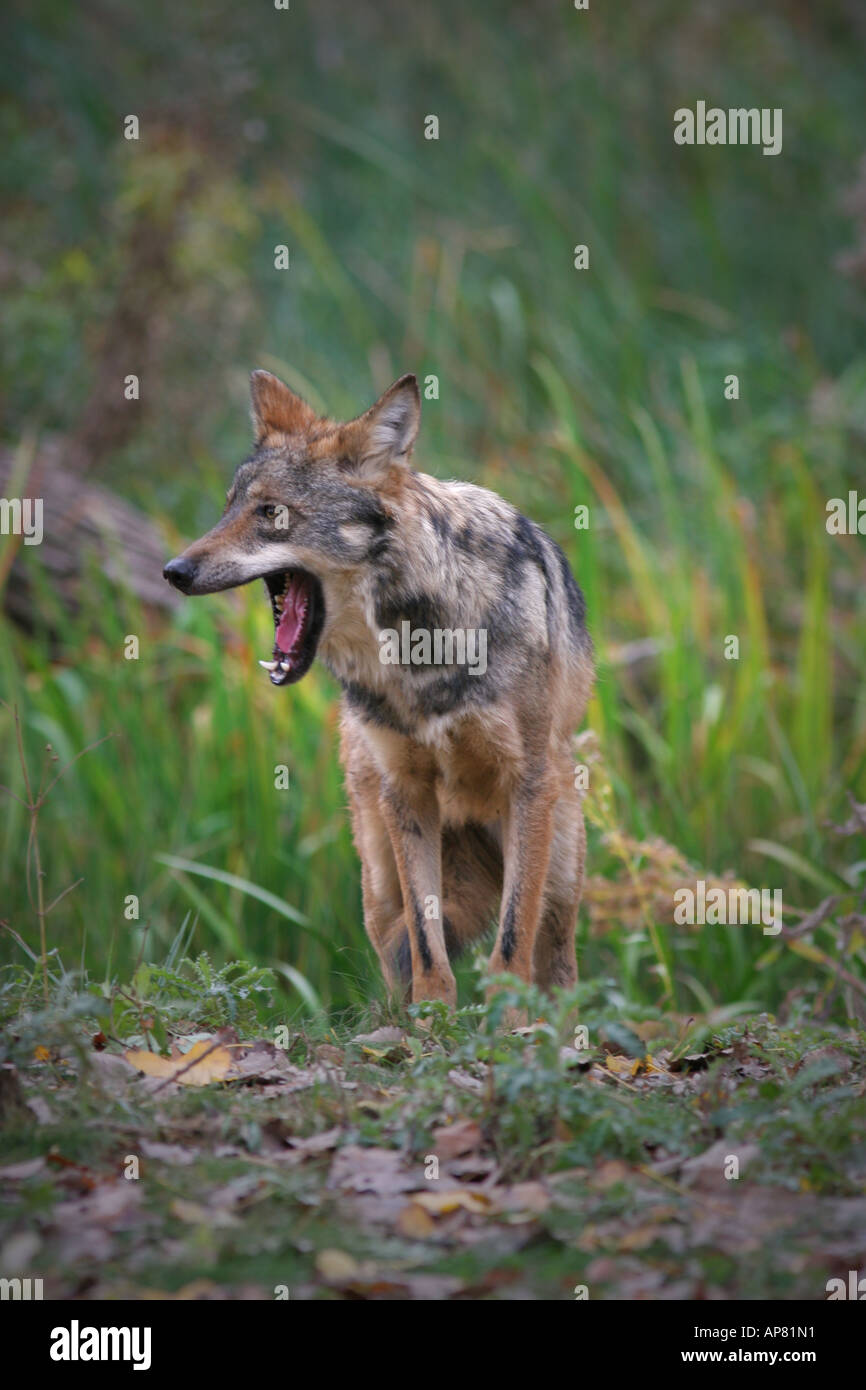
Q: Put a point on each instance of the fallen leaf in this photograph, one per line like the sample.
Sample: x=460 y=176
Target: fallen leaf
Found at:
x=367 y=1280
x=387 y=1044
x=415 y=1222
x=335 y=1266
x=461 y=1137
x=529 y=1198
x=17 y=1172
x=316 y=1143
x=708 y=1168
x=204 y=1063
x=356 y=1169
x=166 y=1153
x=259 y=1061
x=442 y=1203
x=197 y=1215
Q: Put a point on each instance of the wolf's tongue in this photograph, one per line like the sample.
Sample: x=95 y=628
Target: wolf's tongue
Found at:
x=294 y=613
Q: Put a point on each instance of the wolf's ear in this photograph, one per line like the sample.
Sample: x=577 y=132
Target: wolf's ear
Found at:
x=386 y=432
x=276 y=408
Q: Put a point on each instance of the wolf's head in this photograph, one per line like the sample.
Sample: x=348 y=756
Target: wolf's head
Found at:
x=307 y=509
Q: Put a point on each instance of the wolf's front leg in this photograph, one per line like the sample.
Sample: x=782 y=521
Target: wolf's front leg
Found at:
x=526 y=835
x=413 y=823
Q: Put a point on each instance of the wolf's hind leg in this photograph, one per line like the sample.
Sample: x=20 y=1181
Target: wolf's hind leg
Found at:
x=554 y=960
x=526 y=836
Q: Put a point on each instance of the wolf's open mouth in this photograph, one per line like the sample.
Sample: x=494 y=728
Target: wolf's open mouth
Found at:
x=299 y=612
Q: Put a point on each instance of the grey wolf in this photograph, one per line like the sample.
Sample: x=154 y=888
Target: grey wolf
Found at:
x=460 y=781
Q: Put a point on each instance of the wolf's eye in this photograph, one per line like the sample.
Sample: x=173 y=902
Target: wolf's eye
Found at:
x=269 y=512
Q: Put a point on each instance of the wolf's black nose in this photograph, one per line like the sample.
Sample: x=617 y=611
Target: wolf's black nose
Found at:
x=180 y=573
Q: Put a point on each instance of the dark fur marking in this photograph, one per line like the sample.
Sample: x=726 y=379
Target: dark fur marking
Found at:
x=441 y=525
x=509 y=938
x=451 y=942
x=448 y=692
x=420 y=610
x=406 y=822
x=403 y=954
x=403 y=959
x=573 y=594
x=421 y=935
x=378 y=548
x=372 y=706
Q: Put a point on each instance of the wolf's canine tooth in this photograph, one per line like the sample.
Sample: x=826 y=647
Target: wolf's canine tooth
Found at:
x=269 y=665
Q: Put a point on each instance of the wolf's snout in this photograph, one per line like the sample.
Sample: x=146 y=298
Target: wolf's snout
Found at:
x=181 y=573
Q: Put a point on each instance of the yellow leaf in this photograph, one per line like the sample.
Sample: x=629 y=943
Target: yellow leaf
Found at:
x=336 y=1265
x=197 y=1215
x=808 y=951
x=183 y=1067
x=620 y=1066
x=441 y=1203
x=415 y=1222
x=41 y=1054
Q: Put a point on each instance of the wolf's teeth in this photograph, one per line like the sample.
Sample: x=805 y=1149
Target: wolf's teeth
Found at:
x=284 y=666
x=269 y=665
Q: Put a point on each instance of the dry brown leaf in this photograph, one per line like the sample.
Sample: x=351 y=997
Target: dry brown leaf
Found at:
x=196 y=1215
x=28 y=1168
x=167 y=1153
x=335 y=1266
x=524 y=1198
x=213 y=1064
x=367 y=1280
x=387 y=1044
x=415 y=1222
x=381 y=1171
x=316 y=1143
x=461 y=1137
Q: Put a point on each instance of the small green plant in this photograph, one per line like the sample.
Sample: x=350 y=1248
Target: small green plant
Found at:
x=212 y=997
